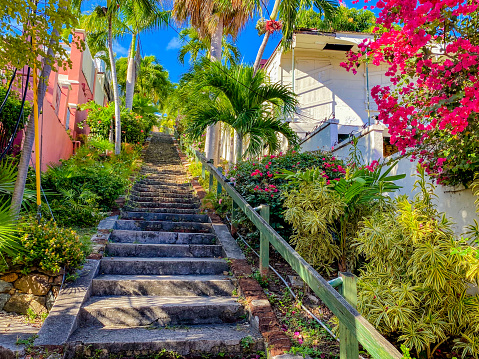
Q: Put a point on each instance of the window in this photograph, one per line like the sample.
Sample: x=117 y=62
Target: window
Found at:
x=67 y=120
x=338 y=47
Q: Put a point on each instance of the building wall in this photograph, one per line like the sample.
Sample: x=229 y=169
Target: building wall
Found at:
x=59 y=119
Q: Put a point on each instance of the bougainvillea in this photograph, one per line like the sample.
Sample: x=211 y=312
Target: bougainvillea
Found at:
x=432 y=105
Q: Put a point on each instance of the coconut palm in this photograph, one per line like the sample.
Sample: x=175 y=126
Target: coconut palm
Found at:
x=194 y=45
x=215 y=18
x=139 y=18
x=95 y=22
x=288 y=11
x=253 y=110
x=152 y=80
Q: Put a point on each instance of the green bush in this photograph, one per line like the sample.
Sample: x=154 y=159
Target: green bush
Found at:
x=258 y=183
x=85 y=186
x=50 y=247
x=11 y=111
x=414 y=287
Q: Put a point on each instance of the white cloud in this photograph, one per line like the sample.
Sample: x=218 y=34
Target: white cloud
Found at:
x=174 y=44
x=119 y=50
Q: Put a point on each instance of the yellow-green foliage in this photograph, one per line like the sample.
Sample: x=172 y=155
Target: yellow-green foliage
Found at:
x=326 y=217
x=313 y=212
x=414 y=286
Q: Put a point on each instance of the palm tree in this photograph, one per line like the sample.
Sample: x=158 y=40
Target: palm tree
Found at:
x=215 y=18
x=95 y=22
x=288 y=10
x=253 y=110
x=139 y=18
x=194 y=45
x=152 y=80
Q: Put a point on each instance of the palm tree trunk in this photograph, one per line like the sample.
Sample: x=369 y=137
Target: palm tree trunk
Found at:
x=215 y=55
x=26 y=153
x=273 y=16
x=130 y=74
x=232 y=147
x=239 y=146
x=257 y=62
x=116 y=99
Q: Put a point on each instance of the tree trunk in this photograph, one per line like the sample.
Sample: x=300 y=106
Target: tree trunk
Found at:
x=130 y=74
x=215 y=55
x=273 y=16
x=239 y=146
x=232 y=147
x=257 y=62
x=29 y=139
x=116 y=99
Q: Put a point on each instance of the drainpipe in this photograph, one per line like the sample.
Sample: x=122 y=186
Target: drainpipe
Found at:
x=292 y=66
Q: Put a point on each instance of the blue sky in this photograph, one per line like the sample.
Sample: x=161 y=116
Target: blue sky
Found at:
x=164 y=43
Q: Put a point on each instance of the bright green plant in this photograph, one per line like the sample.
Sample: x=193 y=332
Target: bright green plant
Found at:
x=255 y=111
x=343 y=19
x=10 y=113
x=414 y=285
x=325 y=217
x=85 y=186
x=49 y=247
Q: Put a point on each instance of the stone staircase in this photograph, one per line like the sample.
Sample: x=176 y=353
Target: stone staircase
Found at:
x=163 y=285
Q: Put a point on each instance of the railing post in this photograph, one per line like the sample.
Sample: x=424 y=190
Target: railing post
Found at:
x=203 y=174
x=348 y=340
x=264 y=243
x=218 y=184
x=234 y=214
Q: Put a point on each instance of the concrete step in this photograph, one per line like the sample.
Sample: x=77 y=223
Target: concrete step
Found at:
x=160 y=193
x=163 y=285
x=162 y=266
x=159 y=311
x=163 y=199
x=164 y=181
x=174 y=217
x=163 y=226
x=164 y=186
x=167 y=205
x=163 y=250
x=132 y=208
x=151 y=237
x=193 y=341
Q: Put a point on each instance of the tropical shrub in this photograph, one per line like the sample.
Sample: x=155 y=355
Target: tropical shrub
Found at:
x=432 y=57
x=135 y=124
x=49 y=247
x=326 y=216
x=258 y=182
x=85 y=186
x=414 y=285
x=343 y=19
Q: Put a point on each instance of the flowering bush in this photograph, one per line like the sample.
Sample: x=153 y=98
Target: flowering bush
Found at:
x=433 y=60
x=256 y=180
x=50 y=247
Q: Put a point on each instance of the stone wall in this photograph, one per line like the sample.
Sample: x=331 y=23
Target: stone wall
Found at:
x=36 y=291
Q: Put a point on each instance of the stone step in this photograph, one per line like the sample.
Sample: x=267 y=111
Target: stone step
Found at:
x=193 y=341
x=163 y=250
x=163 y=266
x=172 y=188
x=167 y=205
x=163 y=285
x=152 y=237
x=163 y=182
x=174 y=217
x=131 y=208
x=163 y=226
x=163 y=199
x=159 y=311
x=160 y=193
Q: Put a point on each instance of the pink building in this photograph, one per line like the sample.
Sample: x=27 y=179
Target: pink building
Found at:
x=85 y=81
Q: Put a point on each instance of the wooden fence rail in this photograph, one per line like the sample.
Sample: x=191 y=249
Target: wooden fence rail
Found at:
x=353 y=327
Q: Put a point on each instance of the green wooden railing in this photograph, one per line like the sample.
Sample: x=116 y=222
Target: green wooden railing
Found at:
x=353 y=327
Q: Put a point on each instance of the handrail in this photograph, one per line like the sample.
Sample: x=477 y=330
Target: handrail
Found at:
x=356 y=326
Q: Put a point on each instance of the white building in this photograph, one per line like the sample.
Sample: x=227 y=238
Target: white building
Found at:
x=326 y=91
